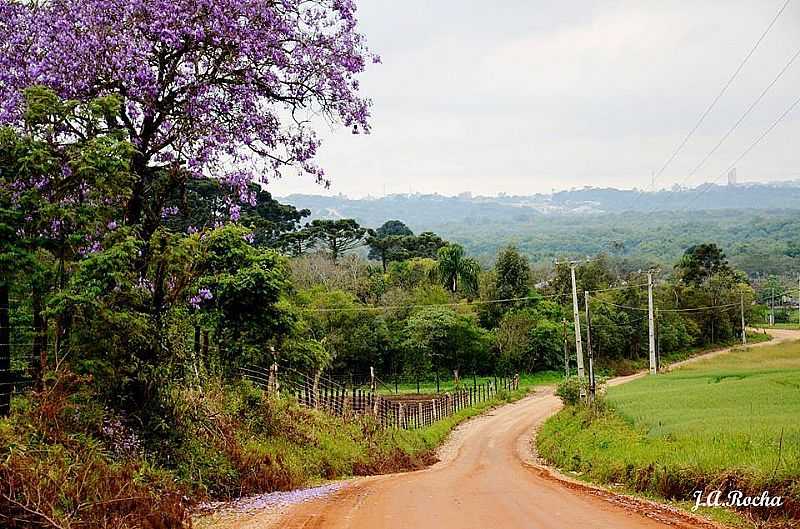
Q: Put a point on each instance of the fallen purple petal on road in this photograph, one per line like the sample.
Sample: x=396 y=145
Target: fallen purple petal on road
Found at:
x=273 y=499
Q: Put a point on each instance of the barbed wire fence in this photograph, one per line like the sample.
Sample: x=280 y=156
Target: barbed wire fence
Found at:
x=17 y=345
x=402 y=411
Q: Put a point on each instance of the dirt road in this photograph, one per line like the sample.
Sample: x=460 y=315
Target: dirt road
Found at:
x=486 y=479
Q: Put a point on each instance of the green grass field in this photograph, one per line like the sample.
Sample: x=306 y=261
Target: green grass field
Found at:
x=733 y=420
x=528 y=380
x=793 y=325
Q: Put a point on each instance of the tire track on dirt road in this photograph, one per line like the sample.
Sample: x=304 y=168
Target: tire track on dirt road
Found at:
x=488 y=478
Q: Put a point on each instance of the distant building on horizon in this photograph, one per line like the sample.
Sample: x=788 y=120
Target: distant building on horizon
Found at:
x=732 y=177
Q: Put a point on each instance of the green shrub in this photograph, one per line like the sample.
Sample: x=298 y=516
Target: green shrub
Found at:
x=571 y=388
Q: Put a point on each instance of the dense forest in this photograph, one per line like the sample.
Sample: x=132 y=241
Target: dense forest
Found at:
x=761 y=237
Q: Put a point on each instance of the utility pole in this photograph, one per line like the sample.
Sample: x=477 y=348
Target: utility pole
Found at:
x=744 y=329
x=578 y=345
x=798 y=299
x=651 y=326
x=658 y=342
x=772 y=306
x=566 y=348
x=589 y=345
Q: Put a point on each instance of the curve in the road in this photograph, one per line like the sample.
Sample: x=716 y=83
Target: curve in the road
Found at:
x=487 y=480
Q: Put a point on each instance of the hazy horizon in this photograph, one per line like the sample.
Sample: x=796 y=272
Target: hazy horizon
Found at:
x=457 y=193
x=529 y=97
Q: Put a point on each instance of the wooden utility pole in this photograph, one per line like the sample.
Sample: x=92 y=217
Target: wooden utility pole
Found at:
x=578 y=345
x=589 y=345
x=566 y=348
x=798 y=299
x=744 y=328
x=651 y=327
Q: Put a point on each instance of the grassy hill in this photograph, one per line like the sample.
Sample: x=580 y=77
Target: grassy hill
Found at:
x=729 y=422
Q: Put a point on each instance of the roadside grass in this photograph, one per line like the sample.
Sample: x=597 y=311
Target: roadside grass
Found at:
x=60 y=448
x=428 y=387
x=728 y=422
x=429 y=438
x=790 y=326
x=628 y=367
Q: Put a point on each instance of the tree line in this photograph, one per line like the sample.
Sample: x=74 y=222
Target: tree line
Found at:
x=263 y=287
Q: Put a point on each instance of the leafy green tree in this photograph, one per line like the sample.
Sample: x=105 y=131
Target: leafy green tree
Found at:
x=135 y=334
x=702 y=261
x=354 y=339
x=512 y=274
x=426 y=244
x=593 y=274
x=243 y=287
x=546 y=349
x=437 y=337
x=205 y=203
x=512 y=340
x=65 y=180
x=529 y=339
x=411 y=273
x=454 y=268
x=394 y=241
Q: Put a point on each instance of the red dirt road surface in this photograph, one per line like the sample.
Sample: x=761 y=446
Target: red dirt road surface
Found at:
x=486 y=479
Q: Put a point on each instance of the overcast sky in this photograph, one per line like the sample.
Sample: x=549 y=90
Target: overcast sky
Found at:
x=525 y=96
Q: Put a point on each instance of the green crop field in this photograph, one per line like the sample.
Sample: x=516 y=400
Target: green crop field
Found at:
x=731 y=410
x=735 y=417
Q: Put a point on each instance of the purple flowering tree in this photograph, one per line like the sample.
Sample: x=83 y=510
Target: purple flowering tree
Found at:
x=220 y=88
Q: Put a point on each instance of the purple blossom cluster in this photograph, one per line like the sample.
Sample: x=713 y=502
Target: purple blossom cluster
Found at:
x=208 y=84
x=202 y=295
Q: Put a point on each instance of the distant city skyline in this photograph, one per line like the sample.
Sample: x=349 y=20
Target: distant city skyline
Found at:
x=466 y=194
x=528 y=97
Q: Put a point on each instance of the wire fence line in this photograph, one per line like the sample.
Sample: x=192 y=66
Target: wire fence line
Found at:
x=403 y=411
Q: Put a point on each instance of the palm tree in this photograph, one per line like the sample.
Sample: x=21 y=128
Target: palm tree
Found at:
x=454 y=267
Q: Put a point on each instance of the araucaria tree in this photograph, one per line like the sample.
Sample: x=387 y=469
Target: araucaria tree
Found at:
x=221 y=88
x=336 y=236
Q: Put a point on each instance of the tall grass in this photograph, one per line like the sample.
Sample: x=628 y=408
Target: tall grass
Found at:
x=67 y=461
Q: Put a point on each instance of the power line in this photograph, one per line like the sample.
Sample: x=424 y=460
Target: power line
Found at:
x=743 y=116
x=746 y=151
x=708 y=110
x=414 y=306
x=622 y=287
x=460 y=303
x=644 y=309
